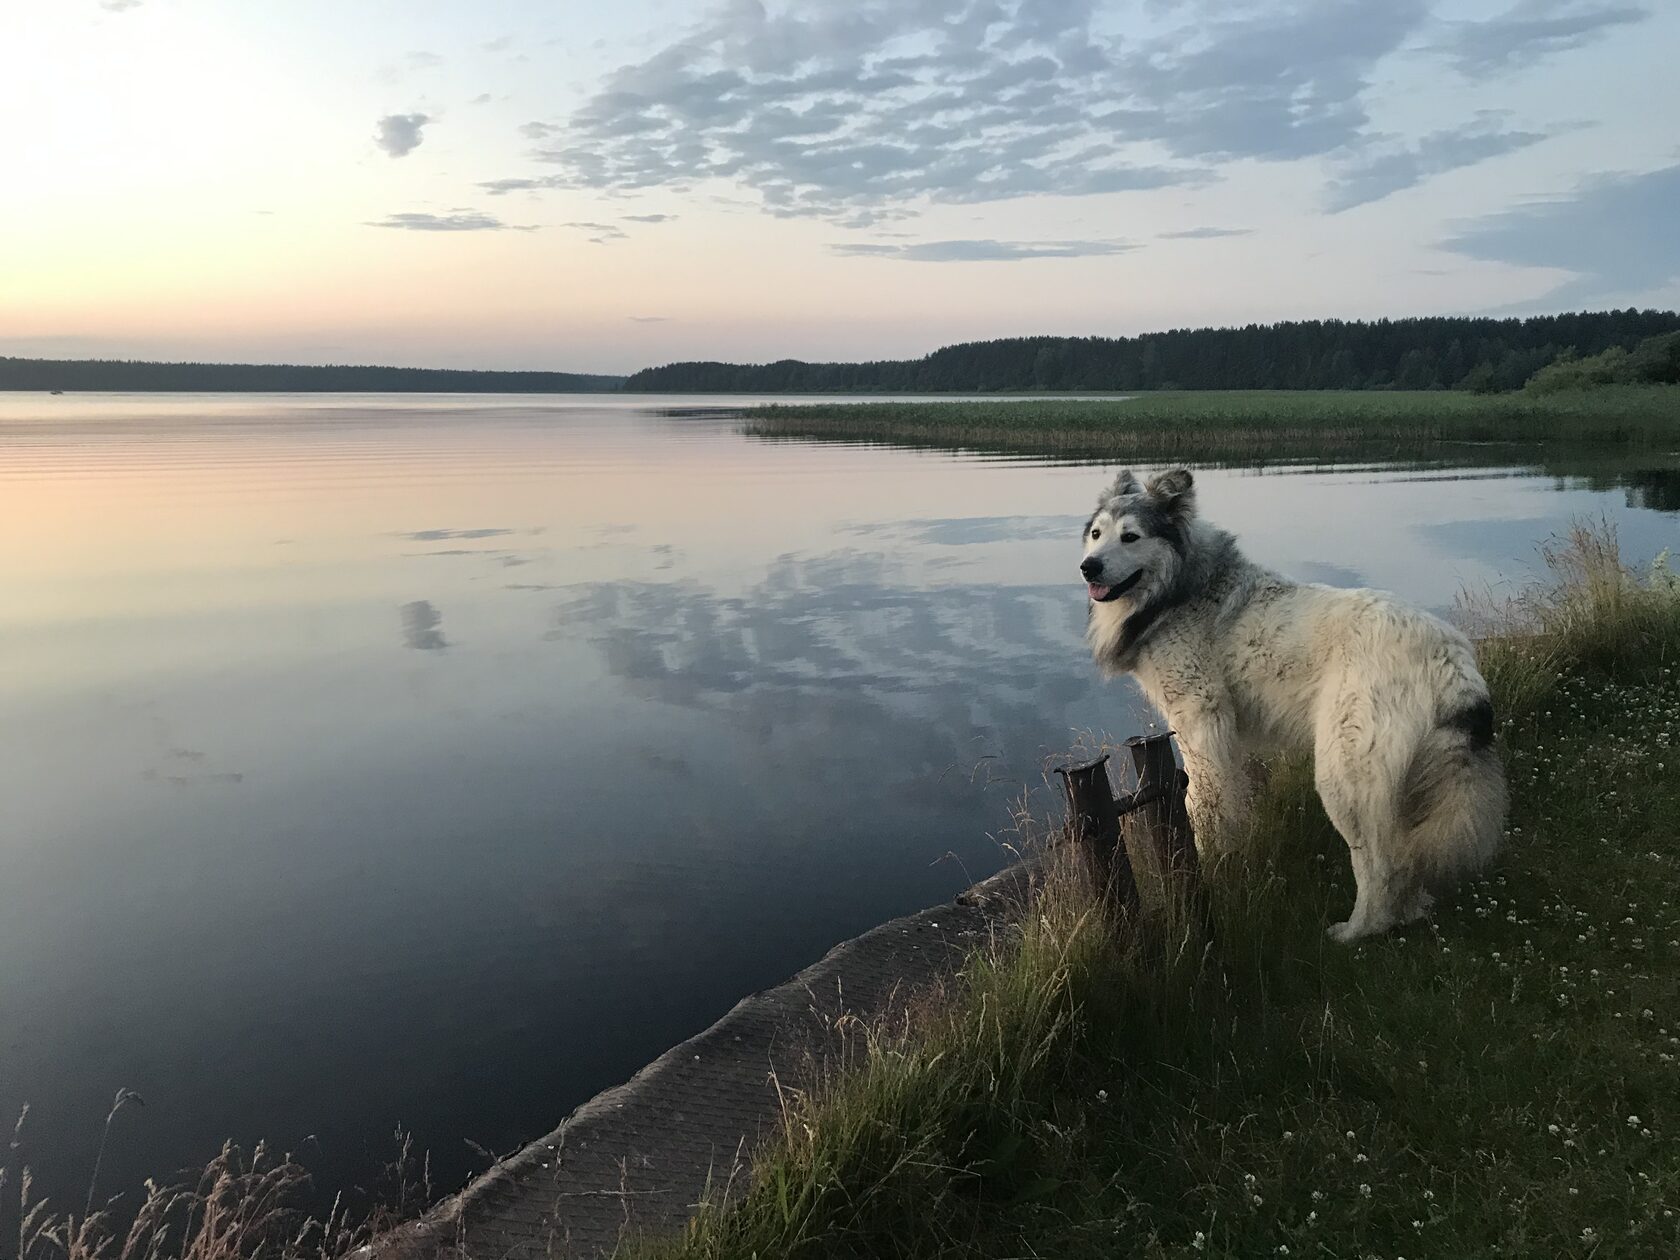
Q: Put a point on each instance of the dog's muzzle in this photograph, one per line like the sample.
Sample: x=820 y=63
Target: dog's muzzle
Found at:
x=1102 y=594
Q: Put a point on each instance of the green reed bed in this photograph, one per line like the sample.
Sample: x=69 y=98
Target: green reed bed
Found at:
x=1246 y=425
x=1504 y=1081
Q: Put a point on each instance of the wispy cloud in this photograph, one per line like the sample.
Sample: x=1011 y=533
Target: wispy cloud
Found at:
x=650 y=319
x=459 y=221
x=984 y=250
x=500 y=44
x=399 y=134
x=1531 y=30
x=866 y=111
x=649 y=218
x=537 y=130
x=1615 y=233
x=1204 y=233
x=119 y=6
x=1383 y=172
x=483 y=98
x=600 y=233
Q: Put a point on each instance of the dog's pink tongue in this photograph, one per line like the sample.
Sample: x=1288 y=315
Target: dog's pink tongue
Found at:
x=1097 y=592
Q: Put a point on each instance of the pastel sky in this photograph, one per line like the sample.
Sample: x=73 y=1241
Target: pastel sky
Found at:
x=602 y=186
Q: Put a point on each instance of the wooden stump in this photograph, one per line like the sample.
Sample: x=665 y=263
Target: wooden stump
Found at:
x=1158 y=835
x=1094 y=830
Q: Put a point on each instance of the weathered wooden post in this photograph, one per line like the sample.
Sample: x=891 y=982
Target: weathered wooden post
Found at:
x=1157 y=827
x=1094 y=829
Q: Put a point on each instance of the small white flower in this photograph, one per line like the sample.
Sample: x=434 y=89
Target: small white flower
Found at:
x=1365 y=1189
x=1199 y=1241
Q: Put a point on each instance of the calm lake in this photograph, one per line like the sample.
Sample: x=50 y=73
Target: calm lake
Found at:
x=438 y=760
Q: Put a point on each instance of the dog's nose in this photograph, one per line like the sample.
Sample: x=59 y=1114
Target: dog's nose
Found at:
x=1090 y=566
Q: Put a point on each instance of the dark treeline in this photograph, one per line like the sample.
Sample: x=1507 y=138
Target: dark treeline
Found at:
x=1441 y=352
x=117 y=374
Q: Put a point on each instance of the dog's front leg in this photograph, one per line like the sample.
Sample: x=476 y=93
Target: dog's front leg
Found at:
x=1218 y=796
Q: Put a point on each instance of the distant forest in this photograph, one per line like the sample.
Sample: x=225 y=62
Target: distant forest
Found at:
x=1442 y=352
x=117 y=374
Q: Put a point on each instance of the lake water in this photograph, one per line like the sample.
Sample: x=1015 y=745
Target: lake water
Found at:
x=438 y=761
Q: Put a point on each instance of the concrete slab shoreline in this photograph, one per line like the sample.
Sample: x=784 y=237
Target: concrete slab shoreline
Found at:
x=640 y=1156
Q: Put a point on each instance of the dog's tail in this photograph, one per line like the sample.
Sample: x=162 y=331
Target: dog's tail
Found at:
x=1453 y=797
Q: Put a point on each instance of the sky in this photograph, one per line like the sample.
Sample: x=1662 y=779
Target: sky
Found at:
x=599 y=187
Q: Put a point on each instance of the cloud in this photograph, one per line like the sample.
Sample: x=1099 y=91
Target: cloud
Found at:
x=458 y=221
x=600 y=233
x=483 y=98
x=1531 y=30
x=442 y=535
x=650 y=319
x=422 y=60
x=1204 y=233
x=496 y=187
x=1615 y=233
x=985 y=251
x=537 y=130
x=860 y=111
x=399 y=134
x=649 y=218
x=499 y=44
x=119 y=6
x=1381 y=173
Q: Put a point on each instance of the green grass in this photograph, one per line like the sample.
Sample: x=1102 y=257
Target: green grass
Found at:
x=1504 y=1081
x=1249 y=425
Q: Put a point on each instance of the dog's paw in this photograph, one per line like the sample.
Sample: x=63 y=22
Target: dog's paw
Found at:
x=1345 y=933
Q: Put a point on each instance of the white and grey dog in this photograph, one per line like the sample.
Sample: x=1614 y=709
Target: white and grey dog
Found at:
x=1240 y=660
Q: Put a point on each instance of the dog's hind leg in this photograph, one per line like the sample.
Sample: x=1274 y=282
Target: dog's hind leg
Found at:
x=1352 y=784
x=1376 y=881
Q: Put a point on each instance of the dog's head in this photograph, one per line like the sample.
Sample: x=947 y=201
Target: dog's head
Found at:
x=1134 y=541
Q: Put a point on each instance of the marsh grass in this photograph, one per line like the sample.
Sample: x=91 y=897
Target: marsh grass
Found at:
x=1498 y=1082
x=1242 y=426
x=241 y=1205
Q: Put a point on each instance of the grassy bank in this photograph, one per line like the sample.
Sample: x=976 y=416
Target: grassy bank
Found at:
x=1248 y=425
x=1501 y=1082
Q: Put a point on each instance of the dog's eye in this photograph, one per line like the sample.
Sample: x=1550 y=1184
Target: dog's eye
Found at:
x=1128 y=536
x=1096 y=534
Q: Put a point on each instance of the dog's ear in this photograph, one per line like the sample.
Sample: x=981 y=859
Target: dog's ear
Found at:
x=1125 y=483
x=1175 y=491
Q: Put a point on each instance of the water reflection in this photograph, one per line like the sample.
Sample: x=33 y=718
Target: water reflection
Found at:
x=420 y=622
x=840 y=653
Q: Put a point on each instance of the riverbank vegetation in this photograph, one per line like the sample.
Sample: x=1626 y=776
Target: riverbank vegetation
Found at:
x=134 y=376
x=1497 y=1082
x=1441 y=352
x=1254 y=425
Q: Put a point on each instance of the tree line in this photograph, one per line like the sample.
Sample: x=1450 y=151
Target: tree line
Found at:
x=1438 y=352
x=125 y=375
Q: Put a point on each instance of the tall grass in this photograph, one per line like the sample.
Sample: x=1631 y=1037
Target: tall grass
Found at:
x=241 y=1205
x=1592 y=616
x=1246 y=425
x=1499 y=1082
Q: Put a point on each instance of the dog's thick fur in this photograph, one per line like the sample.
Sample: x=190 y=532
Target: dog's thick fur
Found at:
x=1239 y=660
